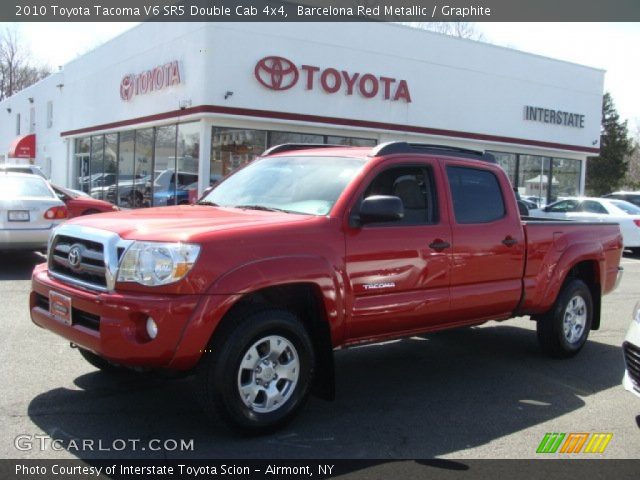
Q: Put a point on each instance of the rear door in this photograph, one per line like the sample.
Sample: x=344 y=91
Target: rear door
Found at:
x=488 y=254
x=399 y=271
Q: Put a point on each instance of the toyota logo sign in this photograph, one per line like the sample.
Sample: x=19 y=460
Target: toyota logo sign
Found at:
x=276 y=73
x=127 y=87
x=279 y=73
x=75 y=256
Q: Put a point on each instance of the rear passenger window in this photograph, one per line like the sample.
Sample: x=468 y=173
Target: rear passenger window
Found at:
x=477 y=197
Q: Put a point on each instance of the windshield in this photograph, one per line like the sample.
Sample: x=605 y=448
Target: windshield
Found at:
x=24 y=187
x=305 y=185
x=626 y=207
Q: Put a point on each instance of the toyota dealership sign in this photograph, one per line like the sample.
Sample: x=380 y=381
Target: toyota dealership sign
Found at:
x=154 y=79
x=279 y=73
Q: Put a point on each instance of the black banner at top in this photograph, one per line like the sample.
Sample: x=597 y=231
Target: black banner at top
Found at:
x=318 y=10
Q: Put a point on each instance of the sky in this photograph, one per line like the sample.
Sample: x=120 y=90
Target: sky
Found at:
x=608 y=46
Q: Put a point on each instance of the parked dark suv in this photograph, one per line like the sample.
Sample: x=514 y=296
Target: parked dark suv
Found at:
x=632 y=197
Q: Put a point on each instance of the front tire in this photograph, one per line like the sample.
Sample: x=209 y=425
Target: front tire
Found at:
x=257 y=375
x=564 y=330
x=102 y=364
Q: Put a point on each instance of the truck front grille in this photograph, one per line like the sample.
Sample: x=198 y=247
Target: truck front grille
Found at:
x=78 y=259
x=86 y=257
x=632 y=359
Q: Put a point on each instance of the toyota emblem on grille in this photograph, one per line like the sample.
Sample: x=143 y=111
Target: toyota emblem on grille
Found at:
x=75 y=256
x=276 y=73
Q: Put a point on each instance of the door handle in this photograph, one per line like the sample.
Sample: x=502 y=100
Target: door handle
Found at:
x=439 y=245
x=509 y=241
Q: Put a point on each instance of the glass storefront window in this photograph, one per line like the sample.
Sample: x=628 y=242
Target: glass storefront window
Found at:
x=566 y=173
x=508 y=162
x=184 y=184
x=124 y=193
x=232 y=148
x=99 y=180
x=278 y=138
x=165 y=165
x=533 y=178
x=143 y=166
x=351 y=141
x=82 y=170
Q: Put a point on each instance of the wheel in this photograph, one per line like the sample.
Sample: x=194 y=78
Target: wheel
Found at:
x=100 y=363
x=257 y=375
x=563 y=331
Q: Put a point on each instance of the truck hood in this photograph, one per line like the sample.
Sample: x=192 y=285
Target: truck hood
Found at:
x=182 y=223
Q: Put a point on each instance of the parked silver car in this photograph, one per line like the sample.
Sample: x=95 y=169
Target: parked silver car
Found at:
x=29 y=210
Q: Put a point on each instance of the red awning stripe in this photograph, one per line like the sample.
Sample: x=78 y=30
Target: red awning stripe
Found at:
x=23 y=147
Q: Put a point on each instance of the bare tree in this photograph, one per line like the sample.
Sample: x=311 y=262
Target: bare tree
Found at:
x=17 y=71
x=454 y=29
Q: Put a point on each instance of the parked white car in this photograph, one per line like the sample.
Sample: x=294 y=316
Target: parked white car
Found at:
x=29 y=210
x=18 y=168
x=588 y=209
x=631 y=348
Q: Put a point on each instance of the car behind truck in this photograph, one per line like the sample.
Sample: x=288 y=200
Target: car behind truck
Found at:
x=311 y=248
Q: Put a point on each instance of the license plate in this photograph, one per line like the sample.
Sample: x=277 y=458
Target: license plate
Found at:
x=18 y=215
x=60 y=307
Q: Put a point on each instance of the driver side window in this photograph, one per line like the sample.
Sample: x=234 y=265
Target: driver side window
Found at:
x=415 y=188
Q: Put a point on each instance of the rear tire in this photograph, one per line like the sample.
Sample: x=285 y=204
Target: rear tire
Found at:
x=257 y=375
x=563 y=331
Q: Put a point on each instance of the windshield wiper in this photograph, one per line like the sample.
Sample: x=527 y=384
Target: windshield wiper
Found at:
x=261 y=207
x=207 y=202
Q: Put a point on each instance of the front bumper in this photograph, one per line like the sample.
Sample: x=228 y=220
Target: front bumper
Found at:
x=113 y=325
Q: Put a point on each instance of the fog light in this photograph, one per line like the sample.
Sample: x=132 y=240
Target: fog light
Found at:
x=152 y=328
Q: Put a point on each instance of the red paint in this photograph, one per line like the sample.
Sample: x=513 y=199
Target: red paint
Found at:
x=299 y=117
x=23 y=147
x=477 y=278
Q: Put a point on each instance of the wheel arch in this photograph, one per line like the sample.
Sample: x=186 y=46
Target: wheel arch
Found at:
x=305 y=301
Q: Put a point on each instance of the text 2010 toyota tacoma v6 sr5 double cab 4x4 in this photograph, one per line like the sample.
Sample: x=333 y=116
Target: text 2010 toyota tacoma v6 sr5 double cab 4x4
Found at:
x=310 y=248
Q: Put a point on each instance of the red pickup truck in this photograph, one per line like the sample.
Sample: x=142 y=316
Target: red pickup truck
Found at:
x=311 y=248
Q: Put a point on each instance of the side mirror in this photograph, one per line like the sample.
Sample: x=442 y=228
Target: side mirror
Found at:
x=380 y=208
x=546 y=209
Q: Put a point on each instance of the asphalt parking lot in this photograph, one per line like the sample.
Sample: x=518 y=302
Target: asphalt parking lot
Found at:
x=485 y=392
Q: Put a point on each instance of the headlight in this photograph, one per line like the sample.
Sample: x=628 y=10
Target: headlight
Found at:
x=153 y=263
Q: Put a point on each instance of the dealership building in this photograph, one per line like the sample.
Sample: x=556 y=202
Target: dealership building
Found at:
x=155 y=115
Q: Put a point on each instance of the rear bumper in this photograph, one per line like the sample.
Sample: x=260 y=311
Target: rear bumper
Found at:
x=113 y=325
x=24 y=239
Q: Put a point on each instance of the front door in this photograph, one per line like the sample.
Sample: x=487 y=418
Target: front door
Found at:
x=399 y=271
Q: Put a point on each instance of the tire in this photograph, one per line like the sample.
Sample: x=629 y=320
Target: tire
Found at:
x=102 y=364
x=244 y=362
x=564 y=330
